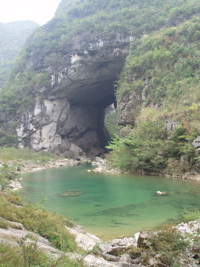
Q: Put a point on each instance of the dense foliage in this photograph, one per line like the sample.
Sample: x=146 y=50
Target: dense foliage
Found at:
x=111 y=125
x=150 y=147
x=170 y=58
x=164 y=51
x=164 y=67
x=87 y=20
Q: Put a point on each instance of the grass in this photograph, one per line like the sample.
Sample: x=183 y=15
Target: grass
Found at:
x=166 y=247
x=190 y=215
x=25 y=154
x=35 y=219
x=30 y=256
x=48 y=225
x=12 y=159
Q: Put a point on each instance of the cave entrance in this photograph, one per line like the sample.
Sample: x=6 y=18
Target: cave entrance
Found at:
x=91 y=108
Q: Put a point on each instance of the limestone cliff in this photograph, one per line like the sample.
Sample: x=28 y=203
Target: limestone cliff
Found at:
x=66 y=75
x=69 y=113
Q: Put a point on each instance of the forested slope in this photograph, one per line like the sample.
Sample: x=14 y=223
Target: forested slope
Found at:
x=13 y=36
x=158 y=94
x=88 y=20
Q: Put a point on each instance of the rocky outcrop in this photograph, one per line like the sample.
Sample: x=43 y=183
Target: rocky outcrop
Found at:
x=137 y=250
x=68 y=117
x=127 y=251
x=101 y=166
x=83 y=239
x=129 y=102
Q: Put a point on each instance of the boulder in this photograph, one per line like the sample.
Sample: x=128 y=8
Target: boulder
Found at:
x=83 y=239
x=74 y=152
x=143 y=240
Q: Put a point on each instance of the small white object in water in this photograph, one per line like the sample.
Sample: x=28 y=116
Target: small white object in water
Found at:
x=160 y=193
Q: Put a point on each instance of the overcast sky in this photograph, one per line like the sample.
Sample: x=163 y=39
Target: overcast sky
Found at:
x=39 y=11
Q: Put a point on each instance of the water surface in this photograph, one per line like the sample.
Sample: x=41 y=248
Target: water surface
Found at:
x=110 y=206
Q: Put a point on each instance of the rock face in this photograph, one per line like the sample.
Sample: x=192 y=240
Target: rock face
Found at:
x=129 y=103
x=68 y=116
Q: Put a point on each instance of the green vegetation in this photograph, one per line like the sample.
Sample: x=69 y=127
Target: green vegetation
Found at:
x=111 y=125
x=8 y=140
x=164 y=66
x=47 y=224
x=7 y=173
x=21 y=92
x=86 y=20
x=13 y=36
x=36 y=219
x=25 y=154
x=12 y=159
x=166 y=248
x=151 y=147
x=170 y=59
x=30 y=256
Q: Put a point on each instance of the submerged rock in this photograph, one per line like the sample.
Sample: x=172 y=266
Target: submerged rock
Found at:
x=70 y=194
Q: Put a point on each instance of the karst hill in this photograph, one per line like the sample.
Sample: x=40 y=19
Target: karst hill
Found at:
x=141 y=55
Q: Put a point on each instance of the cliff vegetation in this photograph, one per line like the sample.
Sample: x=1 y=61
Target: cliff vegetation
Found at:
x=85 y=20
x=13 y=36
x=160 y=85
x=157 y=93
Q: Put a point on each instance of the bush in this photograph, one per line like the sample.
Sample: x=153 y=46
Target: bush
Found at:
x=9 y=140
x=167 y=246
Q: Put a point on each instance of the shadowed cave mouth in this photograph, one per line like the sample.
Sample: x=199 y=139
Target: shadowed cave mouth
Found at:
x=96 y=101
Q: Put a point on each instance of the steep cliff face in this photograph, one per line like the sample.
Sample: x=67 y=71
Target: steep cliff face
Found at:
x=68 y=69
x=69 y=114
x=159 y=102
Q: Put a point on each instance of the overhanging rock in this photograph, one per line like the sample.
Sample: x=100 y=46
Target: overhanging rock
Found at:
x=71 y=109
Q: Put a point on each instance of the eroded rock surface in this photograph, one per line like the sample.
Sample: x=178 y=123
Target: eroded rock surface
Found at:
x=121 y=252
x=68 y=117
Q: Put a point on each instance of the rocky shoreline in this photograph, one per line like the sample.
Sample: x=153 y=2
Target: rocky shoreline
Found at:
x=102 y=167
x=27 y=167
x=114 y=253
x=127 y=251
x=99 y=166
x=31 y=167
